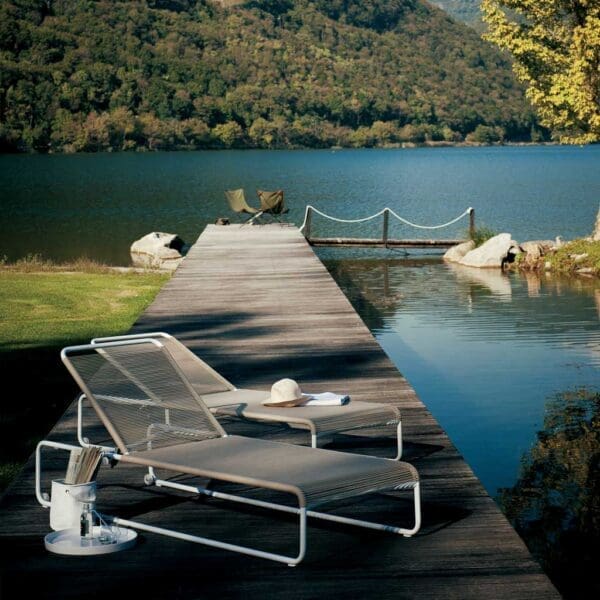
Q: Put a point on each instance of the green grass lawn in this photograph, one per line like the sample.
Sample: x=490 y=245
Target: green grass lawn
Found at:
x=40 y=312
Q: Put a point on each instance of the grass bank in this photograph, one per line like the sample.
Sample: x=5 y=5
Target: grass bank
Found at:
x=578 y=257
x=44 y=307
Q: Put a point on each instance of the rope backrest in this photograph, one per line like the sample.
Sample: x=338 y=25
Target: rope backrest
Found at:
x=204 y=379
x=140 y=394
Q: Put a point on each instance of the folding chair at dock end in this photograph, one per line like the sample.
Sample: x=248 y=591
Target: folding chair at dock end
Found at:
x=272 y=203
x=237 y=202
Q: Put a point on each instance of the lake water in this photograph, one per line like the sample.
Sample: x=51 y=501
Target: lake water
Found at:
x=98 y=204
x=485 y=351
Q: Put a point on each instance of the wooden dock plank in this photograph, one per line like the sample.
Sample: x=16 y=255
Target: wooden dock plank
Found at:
x=257 y=304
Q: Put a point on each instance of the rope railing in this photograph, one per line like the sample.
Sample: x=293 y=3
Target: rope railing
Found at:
x=385 y=212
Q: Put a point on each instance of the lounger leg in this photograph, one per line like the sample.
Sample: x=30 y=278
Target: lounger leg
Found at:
x=399 y=440
x=311 y=513
x=291 y=561
x=417 y=499
x=378 y=526
x=314 y=441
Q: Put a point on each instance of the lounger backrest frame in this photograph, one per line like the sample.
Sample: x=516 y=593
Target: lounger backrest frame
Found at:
x=173 y=344
x=156 y=411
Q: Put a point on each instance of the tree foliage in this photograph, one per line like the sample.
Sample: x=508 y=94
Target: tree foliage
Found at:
x=555 y=504
x=556 y=49
x=88 y=75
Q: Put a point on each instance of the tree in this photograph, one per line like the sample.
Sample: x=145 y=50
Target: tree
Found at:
x=229 y=134
x=484 y=134
x=556 y=49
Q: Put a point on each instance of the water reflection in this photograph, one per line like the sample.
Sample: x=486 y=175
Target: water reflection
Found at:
x=555 y=504
x=495 y=280
x=475 y=302
x=480 y=347
x=484 y=350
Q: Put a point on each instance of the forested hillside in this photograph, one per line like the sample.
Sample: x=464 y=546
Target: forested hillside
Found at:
x=85 y=75
x=464 y=10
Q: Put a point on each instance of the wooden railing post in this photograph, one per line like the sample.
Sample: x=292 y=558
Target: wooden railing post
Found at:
x=386 y=222
x=472 y=223
x=307 y=223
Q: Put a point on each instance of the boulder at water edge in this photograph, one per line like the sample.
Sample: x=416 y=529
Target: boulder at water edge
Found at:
x=493 y=253
x=455 y=253
x=534 y=251
x=158 y=251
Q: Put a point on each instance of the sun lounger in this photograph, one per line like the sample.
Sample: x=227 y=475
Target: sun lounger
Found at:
x=158 y=421
x=224 y=399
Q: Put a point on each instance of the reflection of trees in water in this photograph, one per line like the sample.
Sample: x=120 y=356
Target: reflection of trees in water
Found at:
x=366 y=283
x=512 y=305
x=555 y=504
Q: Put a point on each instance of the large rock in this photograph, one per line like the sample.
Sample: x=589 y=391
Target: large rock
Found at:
x=544 y=246
x=455 y=253
x=534 y=250
x=491 y=254
x=158 y=251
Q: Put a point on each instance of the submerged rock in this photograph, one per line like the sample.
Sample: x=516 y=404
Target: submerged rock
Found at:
x=493 y=253
x=455 y=253
x=158 y=250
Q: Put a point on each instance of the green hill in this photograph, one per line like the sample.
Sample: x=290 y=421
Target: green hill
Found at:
x=85 y=75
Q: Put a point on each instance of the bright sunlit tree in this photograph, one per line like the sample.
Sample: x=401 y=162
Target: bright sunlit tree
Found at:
x=555 y=45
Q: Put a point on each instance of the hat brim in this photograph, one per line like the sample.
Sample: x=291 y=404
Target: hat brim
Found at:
x=286 y=403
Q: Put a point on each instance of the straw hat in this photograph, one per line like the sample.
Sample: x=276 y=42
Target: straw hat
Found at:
x=285 y=392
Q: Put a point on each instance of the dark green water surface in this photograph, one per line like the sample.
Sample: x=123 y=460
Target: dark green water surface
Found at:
x=98 y=204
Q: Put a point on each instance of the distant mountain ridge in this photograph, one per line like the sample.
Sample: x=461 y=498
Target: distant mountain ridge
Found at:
x=85 y=75
x=467 y=11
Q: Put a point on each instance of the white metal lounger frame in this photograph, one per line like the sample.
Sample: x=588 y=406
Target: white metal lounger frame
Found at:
x=301 y=511
x=305 y=423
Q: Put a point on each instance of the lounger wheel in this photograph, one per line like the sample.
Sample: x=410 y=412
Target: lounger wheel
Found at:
x=149 y=479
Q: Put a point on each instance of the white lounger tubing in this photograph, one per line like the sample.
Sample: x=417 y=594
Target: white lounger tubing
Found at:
x=302 y=512
x=416 y=487
x=289 y=560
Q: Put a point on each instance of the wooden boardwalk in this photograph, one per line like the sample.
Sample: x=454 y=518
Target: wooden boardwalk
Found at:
x=258 y=305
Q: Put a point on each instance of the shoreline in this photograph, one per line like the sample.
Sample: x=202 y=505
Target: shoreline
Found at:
x=391 y=146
